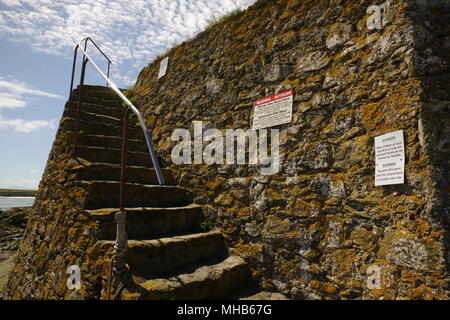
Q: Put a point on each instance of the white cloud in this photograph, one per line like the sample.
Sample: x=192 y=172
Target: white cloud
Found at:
x=22 y=88
x=128 y=30
x=12 y=92
x=12 y=101
x=11 y=2
x=19 y=184
x=25 y=126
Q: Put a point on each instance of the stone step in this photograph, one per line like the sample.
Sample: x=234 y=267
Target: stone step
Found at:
x=114 y=156
x=112 y=111
x=106 y=194
x=112 y=142
x=92 y=99
x=111 y=172
x=98 y=128
x=265 y=295
x=149 y=223
x=94 y=92
x=88 y=116
x=207 y=282
x=95 y=88
x=102 y=118
x=157 y=258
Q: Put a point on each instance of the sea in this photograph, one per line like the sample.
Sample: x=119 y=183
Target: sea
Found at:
x=11 y=202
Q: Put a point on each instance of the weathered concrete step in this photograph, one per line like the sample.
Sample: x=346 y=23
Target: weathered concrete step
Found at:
x=106 y=194
x=112 y=142
x=111 y=172
x=113 y=111
x=155 y=258
x=148 y=223
x=114 y=156
x=208 y=282
x=98 y=128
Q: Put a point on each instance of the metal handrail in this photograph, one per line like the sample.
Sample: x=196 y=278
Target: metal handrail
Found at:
x=118 y=264
x=84 y=62
x=132 y=107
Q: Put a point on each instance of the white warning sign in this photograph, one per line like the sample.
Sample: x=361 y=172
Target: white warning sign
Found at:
x=390 y=159
x=273 y=111
x=163 y=67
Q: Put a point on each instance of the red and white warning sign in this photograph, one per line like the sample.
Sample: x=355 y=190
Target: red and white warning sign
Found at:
x=273 y=111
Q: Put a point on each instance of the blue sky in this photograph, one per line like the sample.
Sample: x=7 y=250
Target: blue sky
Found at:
x=37 y=38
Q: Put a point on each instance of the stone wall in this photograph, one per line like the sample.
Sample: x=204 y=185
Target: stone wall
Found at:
x=432 y=61
x=313 y=230
x=59 y=234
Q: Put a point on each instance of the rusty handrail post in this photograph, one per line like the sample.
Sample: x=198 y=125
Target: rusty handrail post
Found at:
x=73 y=70
x=124 y=159
x=109 y=67
x=118 y=262
x=77 y=118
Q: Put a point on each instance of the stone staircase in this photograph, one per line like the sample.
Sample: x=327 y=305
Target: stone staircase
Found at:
x=169 y=255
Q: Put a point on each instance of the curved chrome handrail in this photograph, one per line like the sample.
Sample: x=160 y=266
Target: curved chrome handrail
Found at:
x=134 y=109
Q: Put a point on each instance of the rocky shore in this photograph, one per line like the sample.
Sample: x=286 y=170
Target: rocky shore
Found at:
x=12 y=226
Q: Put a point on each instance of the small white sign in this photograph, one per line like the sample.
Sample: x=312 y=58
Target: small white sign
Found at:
x=390 y=159
x=163 y=67
x=273 y=111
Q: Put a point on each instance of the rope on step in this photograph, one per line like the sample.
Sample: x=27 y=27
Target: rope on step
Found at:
x=120 y=286
x=120 y=248
x=118 y=266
